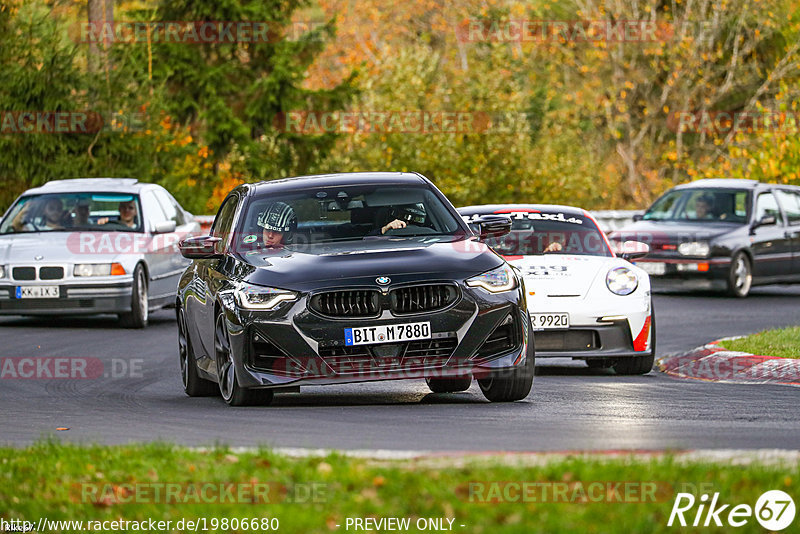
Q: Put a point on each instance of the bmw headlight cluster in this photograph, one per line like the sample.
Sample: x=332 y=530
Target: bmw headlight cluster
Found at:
x=98 y=269
x=622 y=281
x=262 y=297
x=694 y=248
x=496 y=280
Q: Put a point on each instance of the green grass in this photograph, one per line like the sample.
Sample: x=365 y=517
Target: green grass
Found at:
x=51 y=480
x=783 y=342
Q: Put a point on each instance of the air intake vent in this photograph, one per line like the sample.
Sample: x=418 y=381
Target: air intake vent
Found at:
x=351 y=303
x=418 y=299
x=567 y=340
x=501 y=340
x=24 y=273
x=51 y=273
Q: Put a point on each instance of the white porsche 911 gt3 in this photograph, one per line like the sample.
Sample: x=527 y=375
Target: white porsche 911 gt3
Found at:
x=586 y=302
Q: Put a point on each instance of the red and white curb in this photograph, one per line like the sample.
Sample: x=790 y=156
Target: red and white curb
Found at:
x=714 y=363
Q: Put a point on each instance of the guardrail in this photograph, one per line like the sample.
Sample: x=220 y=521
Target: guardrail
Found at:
x=609 y=220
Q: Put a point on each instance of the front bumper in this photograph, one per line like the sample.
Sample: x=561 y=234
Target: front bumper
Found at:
x=585 y=342
x=683 y=274
x=294 y=346
x=73 y=299
x=600 y=327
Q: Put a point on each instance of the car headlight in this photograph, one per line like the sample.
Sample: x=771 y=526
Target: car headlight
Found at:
x=622 y=281
x=496 y=280
x=694 y=248
x=262 y=297
x=98 y=269
x=2 y=271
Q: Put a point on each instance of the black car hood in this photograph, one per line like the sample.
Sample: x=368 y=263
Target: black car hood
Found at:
x=674 y=231
x=402 y=259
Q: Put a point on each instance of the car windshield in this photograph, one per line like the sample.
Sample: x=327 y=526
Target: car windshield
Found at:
x=346 y=213
x=701 y=205
x=59 y=212
x=547 y=232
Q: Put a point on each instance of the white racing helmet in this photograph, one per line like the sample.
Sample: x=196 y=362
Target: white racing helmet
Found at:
x=279 y=217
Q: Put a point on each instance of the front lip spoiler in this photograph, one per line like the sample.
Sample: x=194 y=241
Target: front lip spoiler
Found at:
x=505 y=362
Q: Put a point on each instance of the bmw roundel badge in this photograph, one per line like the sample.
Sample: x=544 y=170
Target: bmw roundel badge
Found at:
x=383 y=280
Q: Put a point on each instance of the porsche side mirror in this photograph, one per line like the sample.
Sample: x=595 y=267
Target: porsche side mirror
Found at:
x=200 y=248
x=631 y=250
x=492 y=225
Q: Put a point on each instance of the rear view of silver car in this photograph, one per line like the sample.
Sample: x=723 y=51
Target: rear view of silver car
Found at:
x=95 y=245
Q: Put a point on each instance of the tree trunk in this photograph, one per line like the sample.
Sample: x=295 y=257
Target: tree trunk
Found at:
x=101 y=17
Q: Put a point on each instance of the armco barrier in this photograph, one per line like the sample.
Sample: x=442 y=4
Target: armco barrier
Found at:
x=609 y=220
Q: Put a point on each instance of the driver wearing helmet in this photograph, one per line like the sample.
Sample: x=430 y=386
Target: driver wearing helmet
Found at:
x=278 y=222
x=405 y=215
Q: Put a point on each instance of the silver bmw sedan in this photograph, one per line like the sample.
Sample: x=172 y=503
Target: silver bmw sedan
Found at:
x=94 y=245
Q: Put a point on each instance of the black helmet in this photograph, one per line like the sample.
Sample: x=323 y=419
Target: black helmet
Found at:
x=410 y=213
x=278 y=217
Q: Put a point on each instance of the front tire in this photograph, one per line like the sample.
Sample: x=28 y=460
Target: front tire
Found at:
x=509 y=385
x=140 y=308
x=193 y=385
x=740 y=277
x=449 y=385
x=232 y=393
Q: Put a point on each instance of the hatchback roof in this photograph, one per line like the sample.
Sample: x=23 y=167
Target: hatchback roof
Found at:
x=725 y=183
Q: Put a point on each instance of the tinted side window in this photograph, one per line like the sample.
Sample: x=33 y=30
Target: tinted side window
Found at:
x=790 y=201
x=767 y=205
x=224 y=219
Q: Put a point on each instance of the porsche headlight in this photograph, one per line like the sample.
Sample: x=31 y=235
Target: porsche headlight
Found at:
x=622 y=281
x=262 y=297
x=694 y=248
x=496 y=280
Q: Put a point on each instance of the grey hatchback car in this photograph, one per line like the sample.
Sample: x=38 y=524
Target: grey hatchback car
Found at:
x=93 y=245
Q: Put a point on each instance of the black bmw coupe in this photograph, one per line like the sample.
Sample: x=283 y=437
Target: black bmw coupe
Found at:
x=349 y=278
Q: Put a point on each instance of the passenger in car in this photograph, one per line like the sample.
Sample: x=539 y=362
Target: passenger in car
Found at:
x=52 y=217
x=81 y=211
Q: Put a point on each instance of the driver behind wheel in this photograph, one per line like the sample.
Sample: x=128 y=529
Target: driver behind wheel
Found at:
x=127 y=215
x=403 y=216
x=278 y=223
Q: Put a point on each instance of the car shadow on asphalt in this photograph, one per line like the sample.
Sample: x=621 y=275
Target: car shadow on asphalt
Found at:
x=770 y=291
x=389 y=398
x=92 y=322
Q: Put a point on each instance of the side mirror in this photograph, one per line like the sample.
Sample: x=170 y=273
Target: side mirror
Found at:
x=164 y=227
x=638 y=217
x=492 y=225
x=631 y=250
x=200 y=248
x=766 y=220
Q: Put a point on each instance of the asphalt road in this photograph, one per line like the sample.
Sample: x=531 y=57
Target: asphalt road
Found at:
x=137 y=395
